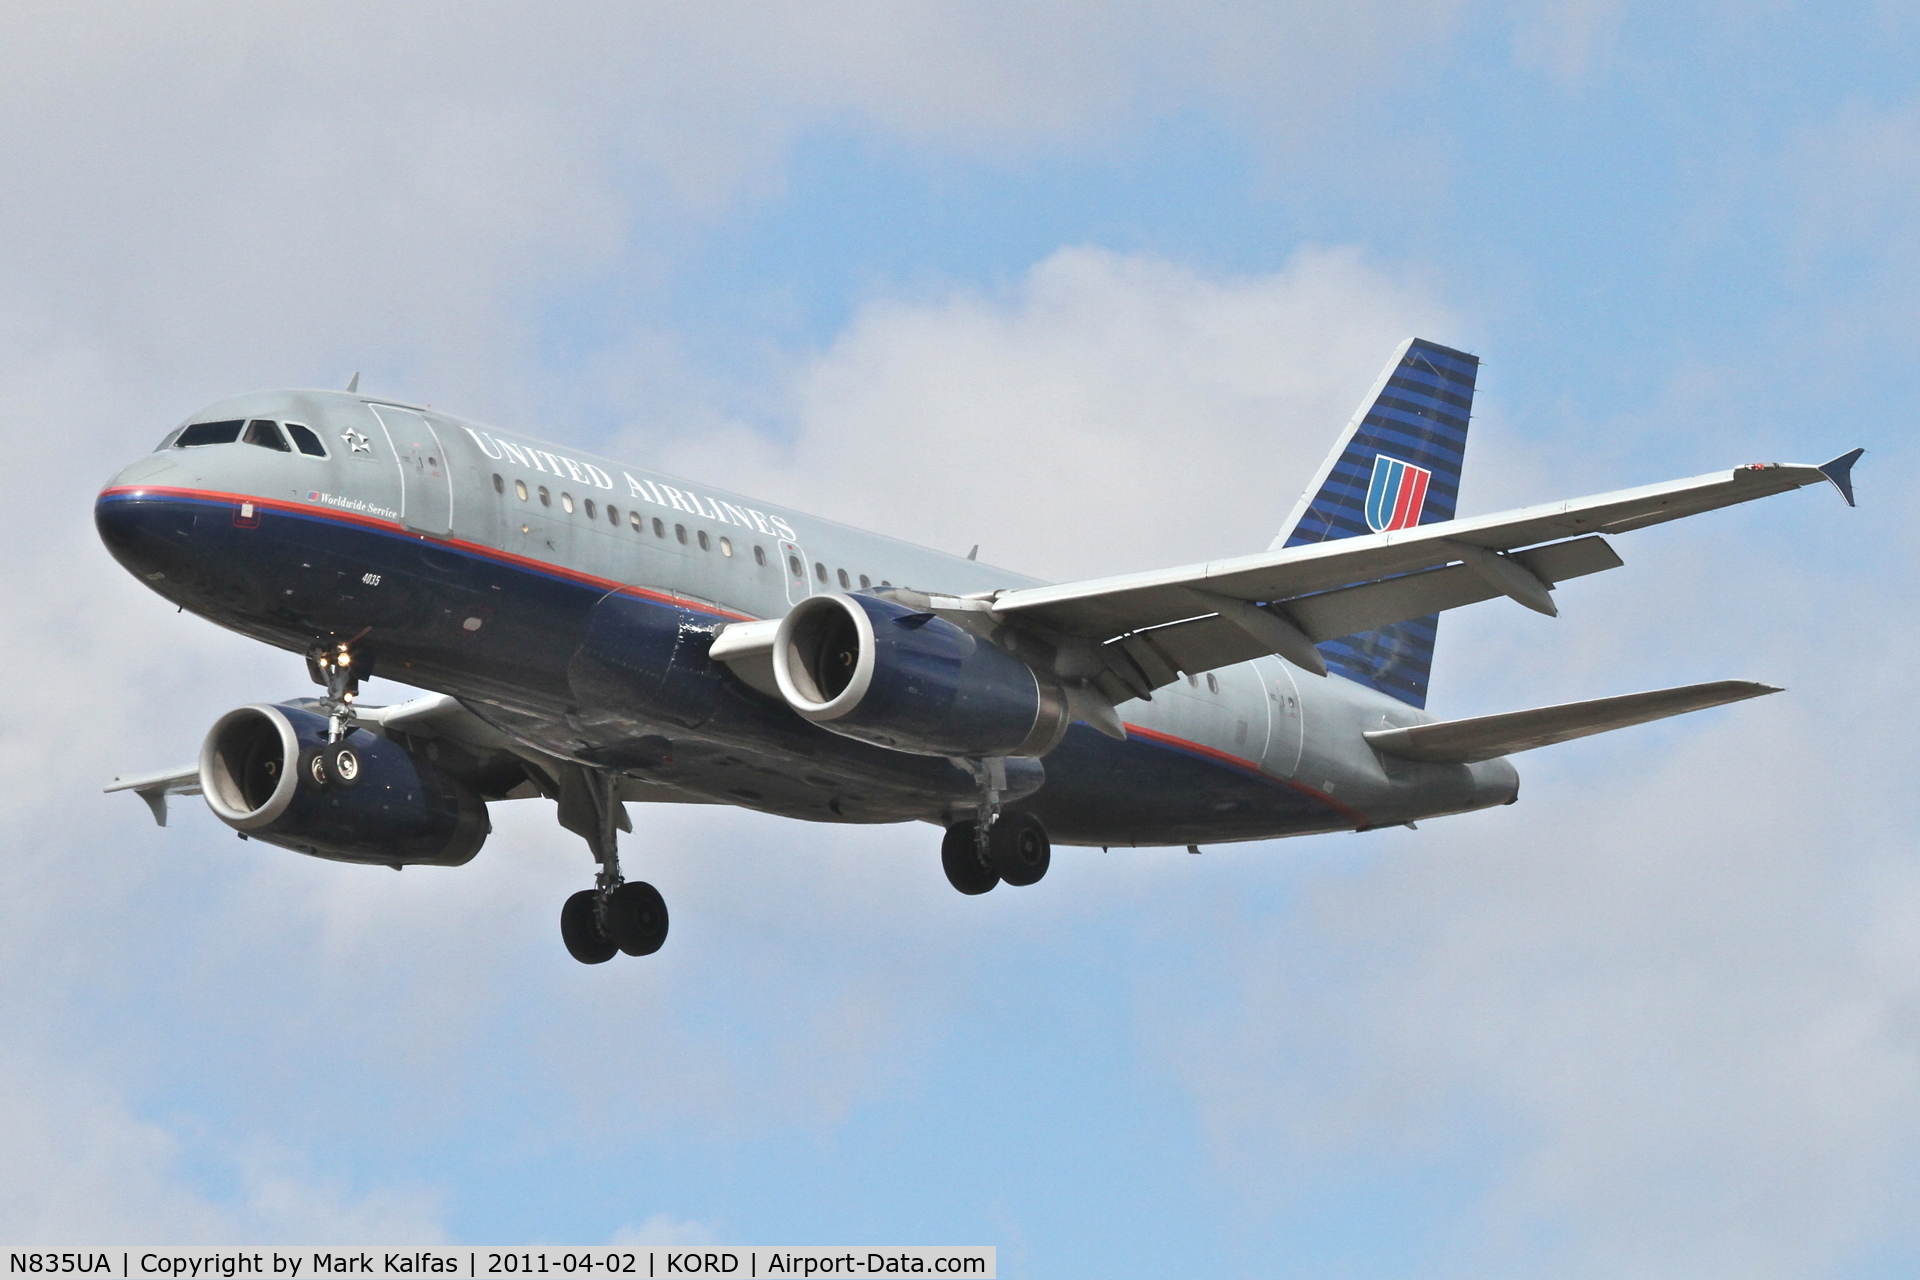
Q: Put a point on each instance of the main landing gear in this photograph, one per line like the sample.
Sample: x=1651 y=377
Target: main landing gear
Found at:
x=613 y=915
x=994 y=847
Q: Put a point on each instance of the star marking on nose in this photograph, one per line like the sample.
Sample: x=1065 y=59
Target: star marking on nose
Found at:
x=356 y=442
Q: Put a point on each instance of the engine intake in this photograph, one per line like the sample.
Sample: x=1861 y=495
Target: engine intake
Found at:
x=268 y=772
x=878 y=671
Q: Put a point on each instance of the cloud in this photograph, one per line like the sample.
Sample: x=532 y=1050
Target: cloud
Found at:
x=81 y=1169
x=1658 y=1019
x=1106 y=412
x=665 y=1230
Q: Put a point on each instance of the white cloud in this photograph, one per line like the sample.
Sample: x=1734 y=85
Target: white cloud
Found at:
x=663 y=1230
x=81 y=1169
x=1107 y=412
x=233 y=195
x=1660 y=1019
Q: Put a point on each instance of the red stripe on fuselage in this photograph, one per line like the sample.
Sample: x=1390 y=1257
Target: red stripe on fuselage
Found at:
x=314 y=511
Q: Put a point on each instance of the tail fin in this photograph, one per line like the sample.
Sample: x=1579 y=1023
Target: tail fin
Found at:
x=1396 y=465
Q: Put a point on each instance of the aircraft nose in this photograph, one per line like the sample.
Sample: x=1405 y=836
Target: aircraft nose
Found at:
x=139 y=517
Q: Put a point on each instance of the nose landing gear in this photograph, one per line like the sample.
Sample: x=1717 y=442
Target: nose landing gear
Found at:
x=613 y=915
x=332 y=664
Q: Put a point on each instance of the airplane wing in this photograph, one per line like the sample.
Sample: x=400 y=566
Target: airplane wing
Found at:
x=431 y=716
x=1484 y=737
x=1150 y=626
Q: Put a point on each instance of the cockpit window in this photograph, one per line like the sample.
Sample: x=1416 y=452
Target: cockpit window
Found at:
x=306 y=440
x=209 y=433
x=265 y=433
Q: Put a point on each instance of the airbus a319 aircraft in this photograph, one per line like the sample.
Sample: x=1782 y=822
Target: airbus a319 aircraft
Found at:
x=598 y=633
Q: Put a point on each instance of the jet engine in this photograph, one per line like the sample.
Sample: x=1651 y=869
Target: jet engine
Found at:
x=269 y=772
x=878 y=671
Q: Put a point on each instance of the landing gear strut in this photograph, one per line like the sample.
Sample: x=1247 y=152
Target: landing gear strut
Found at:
x=334 y=663
x=613 y=915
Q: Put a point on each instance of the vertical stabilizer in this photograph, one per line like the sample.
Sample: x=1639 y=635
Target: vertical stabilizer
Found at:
x=1395 y=466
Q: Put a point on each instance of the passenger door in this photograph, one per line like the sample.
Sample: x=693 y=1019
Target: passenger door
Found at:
x=426 y=499
x=799 y=585
x=1288 y=736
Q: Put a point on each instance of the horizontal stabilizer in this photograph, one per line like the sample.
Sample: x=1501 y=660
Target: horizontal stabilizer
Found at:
x=1485 y=737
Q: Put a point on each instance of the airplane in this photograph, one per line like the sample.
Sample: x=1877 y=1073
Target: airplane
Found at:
x=599 y=633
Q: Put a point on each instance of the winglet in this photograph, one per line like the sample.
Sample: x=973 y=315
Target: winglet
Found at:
x=1840 y=472
x=353 y=383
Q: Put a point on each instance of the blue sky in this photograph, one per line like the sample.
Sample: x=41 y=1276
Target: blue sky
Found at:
x=1093 y=287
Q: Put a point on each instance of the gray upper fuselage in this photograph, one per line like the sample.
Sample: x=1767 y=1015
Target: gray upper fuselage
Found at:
x=444 y=479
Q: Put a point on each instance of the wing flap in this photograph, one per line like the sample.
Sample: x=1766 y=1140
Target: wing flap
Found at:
x=1203 y=644
x=1486 y=737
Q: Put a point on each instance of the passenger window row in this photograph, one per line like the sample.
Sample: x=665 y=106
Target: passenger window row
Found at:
x=846 y=583
x=640 y=524
x=264 y=432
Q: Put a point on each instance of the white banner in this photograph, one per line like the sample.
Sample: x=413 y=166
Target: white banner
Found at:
x=471 y=1262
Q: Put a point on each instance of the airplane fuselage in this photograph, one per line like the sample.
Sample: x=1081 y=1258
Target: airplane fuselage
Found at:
x=570 y=600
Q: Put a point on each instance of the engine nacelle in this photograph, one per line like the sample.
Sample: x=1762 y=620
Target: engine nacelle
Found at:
x=878 y=671
x=259 y=774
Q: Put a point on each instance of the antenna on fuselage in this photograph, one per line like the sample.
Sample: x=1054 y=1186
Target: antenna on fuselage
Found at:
x=975 y=553
x=353 y=383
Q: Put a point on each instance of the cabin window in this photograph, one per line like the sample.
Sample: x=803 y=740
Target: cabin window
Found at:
x=499 y=483
x=1213 y=686
x=726 y=546
x=820 y=571
x=209 y=433
x=520 y=489
x=865 y=582
x=566 y=503
x=845 y=582
x=613 y=515
x=546 y=499
x=633 y=518
x=705 y=545
x=305 y=441
x=760 y=556
x=266 y=433
x=591 y=513
x=659 y=527
x=793 y=563
x=680 y=533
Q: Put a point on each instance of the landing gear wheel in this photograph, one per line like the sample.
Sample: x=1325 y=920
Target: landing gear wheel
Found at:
x=960 y=858
x=637 y=918
x=1018 y=848
x=343 y=764
x=313 y=768
x=580 y=930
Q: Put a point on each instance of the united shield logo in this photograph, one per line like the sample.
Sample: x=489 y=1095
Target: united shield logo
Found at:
x=1397 y=494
